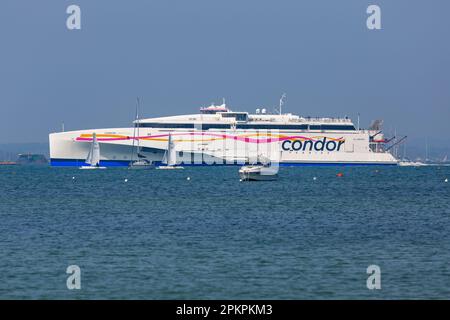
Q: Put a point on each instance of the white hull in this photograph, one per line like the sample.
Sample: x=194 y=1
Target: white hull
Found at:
x=140 y=165
x=169 y=168
x=258 y=173
x=91 y=168
x=411 y=164
x=257 y=177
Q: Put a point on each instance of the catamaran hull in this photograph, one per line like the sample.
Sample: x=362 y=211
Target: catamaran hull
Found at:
x=212 y=147
x=107 y=163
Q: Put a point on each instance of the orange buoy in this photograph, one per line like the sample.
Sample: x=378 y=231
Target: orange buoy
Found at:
x=340 y=174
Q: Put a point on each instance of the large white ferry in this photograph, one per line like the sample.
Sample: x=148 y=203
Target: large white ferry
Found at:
x=219 y=136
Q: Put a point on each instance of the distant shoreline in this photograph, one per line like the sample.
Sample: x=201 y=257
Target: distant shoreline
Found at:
x=10 y=151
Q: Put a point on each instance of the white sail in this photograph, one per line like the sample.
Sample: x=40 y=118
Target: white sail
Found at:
x=93 y=157
x=170 y=156
x=164 y=160
x=171 y=153
x=89 y=156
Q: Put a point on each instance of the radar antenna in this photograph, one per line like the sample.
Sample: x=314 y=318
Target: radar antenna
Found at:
x=376 y=125
x=283 y=97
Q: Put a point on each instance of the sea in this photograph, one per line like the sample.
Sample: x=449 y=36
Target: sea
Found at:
x=200 y=233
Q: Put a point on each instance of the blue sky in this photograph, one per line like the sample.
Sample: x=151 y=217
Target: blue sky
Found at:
x=180 y=55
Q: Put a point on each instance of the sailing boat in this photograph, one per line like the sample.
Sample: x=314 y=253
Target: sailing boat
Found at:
x=170 y=156
x=409 y=163
x=405 y=162
x=141 y=162
x=93 y=158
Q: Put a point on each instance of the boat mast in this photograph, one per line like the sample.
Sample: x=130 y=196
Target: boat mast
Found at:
x=257 y=147
x=404 y=151
x=137 y=120
x=395 y=143
x=136 y=124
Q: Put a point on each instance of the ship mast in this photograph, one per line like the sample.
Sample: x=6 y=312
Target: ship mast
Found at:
x=281 y=103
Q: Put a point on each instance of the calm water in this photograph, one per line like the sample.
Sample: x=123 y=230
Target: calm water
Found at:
x=160 y=236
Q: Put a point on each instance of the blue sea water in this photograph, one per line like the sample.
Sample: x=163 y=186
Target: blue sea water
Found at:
x=162 y=236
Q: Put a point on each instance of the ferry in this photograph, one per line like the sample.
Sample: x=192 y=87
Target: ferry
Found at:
x=220 y=136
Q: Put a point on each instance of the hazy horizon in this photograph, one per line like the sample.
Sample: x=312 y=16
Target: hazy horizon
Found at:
x=178 y=56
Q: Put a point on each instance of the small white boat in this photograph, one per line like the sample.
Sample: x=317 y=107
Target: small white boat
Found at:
x=141 y=162
x=170 y=157
x=265 y=171
x=93 y=158
x=169 y=167
x=258 y=173
x=408 y=163
x=91 y=167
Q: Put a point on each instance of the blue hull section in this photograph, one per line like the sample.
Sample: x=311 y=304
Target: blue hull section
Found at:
x=334 y=164
x=121 y=163
x=79 y=163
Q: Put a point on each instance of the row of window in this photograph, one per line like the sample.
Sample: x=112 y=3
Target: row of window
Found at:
x=237 y=116
x=206 y=126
